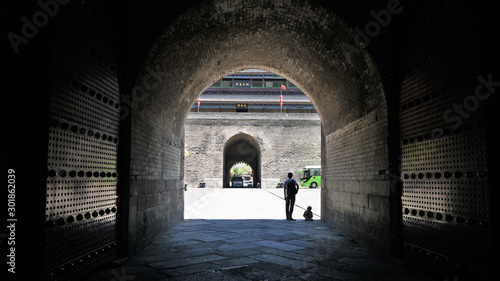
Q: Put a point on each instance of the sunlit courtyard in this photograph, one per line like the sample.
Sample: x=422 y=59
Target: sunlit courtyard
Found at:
x=217 y=203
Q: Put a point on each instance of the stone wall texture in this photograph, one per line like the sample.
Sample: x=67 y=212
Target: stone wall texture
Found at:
x=287 y=143
x=300 y=41
x=357 y=197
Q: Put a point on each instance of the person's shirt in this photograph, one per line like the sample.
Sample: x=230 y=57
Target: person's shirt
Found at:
x=286 y=184
x=308 y=214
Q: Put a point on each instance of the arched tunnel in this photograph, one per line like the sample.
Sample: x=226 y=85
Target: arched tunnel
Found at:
x=99 y=92
x=241 y=148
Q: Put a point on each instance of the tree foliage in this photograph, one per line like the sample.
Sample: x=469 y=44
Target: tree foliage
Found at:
x=239 y=170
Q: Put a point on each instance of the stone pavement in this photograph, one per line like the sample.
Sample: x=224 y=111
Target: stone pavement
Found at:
x=262 y=248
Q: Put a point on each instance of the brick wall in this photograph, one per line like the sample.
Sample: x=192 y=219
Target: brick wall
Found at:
x=209 y=42
x=156 y=179
x=357 y=196
x=287 y=143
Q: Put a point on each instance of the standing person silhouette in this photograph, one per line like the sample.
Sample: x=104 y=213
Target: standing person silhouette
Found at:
x=290 y=190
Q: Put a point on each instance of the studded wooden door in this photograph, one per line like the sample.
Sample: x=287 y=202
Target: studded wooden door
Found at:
x=446 y=208
x=81 y=203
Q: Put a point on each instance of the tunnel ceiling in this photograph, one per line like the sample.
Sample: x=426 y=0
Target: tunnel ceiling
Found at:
x=301 y=42
x=240 y=144
x=242 y=148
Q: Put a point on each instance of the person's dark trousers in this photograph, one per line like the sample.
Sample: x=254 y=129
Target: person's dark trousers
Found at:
x=290 y=202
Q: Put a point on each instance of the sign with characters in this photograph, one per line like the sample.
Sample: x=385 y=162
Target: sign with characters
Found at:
x=242 y=83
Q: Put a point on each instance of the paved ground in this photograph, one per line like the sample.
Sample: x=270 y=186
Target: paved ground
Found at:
x=242 y=235
x=245 y=203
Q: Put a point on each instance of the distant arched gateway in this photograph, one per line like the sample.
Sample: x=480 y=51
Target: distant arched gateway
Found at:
x=241 y=148
x=282 y=143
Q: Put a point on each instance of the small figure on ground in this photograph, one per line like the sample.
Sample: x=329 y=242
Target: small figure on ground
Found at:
x=308 y=214
x=290 y=189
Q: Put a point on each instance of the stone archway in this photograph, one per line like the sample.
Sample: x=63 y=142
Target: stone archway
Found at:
x=301 y=42
x=95 y=53
x=241 y=148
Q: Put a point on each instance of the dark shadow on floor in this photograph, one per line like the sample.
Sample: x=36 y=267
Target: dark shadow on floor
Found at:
x=262 y=249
